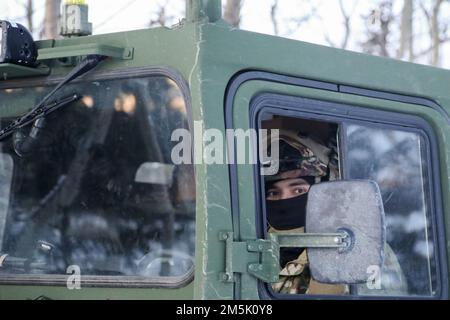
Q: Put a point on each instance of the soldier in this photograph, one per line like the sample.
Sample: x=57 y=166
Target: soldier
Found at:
x=305 y=161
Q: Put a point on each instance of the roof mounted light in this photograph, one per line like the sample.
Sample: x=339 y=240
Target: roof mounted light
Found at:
x=16 y=44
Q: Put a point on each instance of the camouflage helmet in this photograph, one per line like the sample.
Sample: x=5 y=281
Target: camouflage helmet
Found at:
x=302 y=156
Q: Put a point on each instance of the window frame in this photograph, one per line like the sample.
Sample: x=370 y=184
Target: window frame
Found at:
x=108 y=281
x=342 y=114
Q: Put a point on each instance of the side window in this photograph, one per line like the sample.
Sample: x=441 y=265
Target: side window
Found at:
x=396 y=160
x=97 y=187
x=313 y=151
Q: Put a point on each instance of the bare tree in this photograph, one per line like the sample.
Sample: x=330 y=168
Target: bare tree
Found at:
x=29 y=11
x=435 y=32
x=273 y=17
x=161 y=17
x=406 y=32
x=307 y=11
x=51 y=19
x=232 y=12
x=347 y=28
x=346 y=16
x=378 y=24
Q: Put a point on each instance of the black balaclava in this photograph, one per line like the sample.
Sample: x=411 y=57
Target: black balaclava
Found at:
x=289 y=213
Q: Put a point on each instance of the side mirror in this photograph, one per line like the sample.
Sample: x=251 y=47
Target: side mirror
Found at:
x=355 y=209
x=344 y=235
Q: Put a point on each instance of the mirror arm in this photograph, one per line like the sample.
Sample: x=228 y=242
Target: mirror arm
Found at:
x=340 y=240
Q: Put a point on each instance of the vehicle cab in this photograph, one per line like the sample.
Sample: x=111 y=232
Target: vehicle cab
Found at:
x=135 y=188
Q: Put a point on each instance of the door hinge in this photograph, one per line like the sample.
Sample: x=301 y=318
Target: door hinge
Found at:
x=259 y=258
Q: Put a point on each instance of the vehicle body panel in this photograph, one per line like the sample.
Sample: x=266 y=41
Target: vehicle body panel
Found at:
x=209 y=56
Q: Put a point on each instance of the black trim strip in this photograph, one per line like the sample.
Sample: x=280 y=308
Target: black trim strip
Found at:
x=317 y=110
x=396 y=97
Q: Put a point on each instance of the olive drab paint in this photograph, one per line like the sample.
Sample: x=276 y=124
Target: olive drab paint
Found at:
x=222 y=72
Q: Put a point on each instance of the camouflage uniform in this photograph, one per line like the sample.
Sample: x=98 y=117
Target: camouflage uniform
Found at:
x=295 y=277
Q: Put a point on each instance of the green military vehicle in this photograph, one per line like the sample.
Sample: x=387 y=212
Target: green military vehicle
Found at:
x=94 y=205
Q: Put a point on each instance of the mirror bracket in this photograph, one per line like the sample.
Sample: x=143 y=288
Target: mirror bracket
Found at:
x=261 y=257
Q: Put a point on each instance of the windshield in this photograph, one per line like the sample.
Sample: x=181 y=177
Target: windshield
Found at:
x=98 y=190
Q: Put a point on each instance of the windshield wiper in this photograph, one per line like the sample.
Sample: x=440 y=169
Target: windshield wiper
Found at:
x=35 y=114
x=15 y=263
x=42 y=109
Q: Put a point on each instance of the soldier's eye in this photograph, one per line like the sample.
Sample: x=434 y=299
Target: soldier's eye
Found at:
x=272 y=194
x=300 y=190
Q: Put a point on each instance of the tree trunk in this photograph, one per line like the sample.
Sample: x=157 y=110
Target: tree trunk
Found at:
x=29 y=10
x=273 y=17
x=435 y=34
x=406 y=29
x=386 y=18
x=161 y=19
x=379 y=29
x=232 y=12
x=51 y=19
x=347 y=25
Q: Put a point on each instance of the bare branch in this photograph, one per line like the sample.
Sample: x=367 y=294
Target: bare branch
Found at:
x=425 y=11
x=29 y=13
x=51 y=19
x=347 y=29
x=431 y=48
x=406 y=31
x=232 y=12
x=379 y=29
x=161 y=18
x=435 y=33
x=273 y=17
x=329 y=41
x=303 y=19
